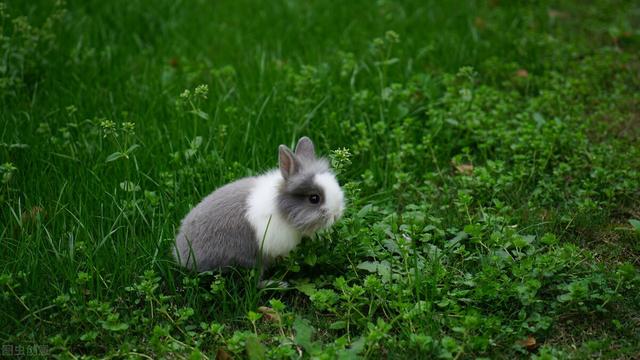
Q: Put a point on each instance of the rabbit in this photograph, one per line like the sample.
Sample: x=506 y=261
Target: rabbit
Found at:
x=261 y=217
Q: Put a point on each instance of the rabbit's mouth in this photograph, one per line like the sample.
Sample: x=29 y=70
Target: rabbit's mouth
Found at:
x=328 y=219
x=324 y=222
x=331 y=216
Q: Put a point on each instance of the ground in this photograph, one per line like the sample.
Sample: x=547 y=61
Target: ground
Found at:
x=489 y=152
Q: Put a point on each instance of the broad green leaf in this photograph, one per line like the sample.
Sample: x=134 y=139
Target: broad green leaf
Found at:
x=306 y=288
x=304 y=331
x=201 y=114
x=115 y=326
x=338 y=325
x=382 y=268
x=352 y=353
x=132 y=148
x=115 y=156
x=364 y=211
x=255 y=349
x=196 y=142
x=370 y=266
x=311 y=259
x=388 y=62
x=195 y=355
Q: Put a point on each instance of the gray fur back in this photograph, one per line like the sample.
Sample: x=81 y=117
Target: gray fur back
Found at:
x=216 y=234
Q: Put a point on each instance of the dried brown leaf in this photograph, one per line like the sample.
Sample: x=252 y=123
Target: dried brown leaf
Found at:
x=32 y=214
x=222 y=354
x=529 y=343
x=269 y=314
x=557 y=14
x=464 y=169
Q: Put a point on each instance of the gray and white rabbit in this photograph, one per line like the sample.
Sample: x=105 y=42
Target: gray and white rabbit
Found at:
x=266 y=214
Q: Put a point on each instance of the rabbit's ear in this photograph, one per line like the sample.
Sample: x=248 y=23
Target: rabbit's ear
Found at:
x=288 y=163
x=305 y=148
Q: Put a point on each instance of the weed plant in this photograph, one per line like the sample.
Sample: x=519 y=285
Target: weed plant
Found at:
x=489 y=151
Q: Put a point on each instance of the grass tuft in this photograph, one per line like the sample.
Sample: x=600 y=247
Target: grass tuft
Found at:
x=489 y=152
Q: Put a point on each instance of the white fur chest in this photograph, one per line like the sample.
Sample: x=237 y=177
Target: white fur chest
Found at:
x=273 y=233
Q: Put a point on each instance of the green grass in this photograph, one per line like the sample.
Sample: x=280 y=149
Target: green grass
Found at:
x=490 y=152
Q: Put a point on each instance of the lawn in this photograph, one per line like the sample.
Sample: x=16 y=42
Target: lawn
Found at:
x=489 y=152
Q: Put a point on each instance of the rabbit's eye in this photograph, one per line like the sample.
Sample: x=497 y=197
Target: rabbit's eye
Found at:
x=314 y=199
